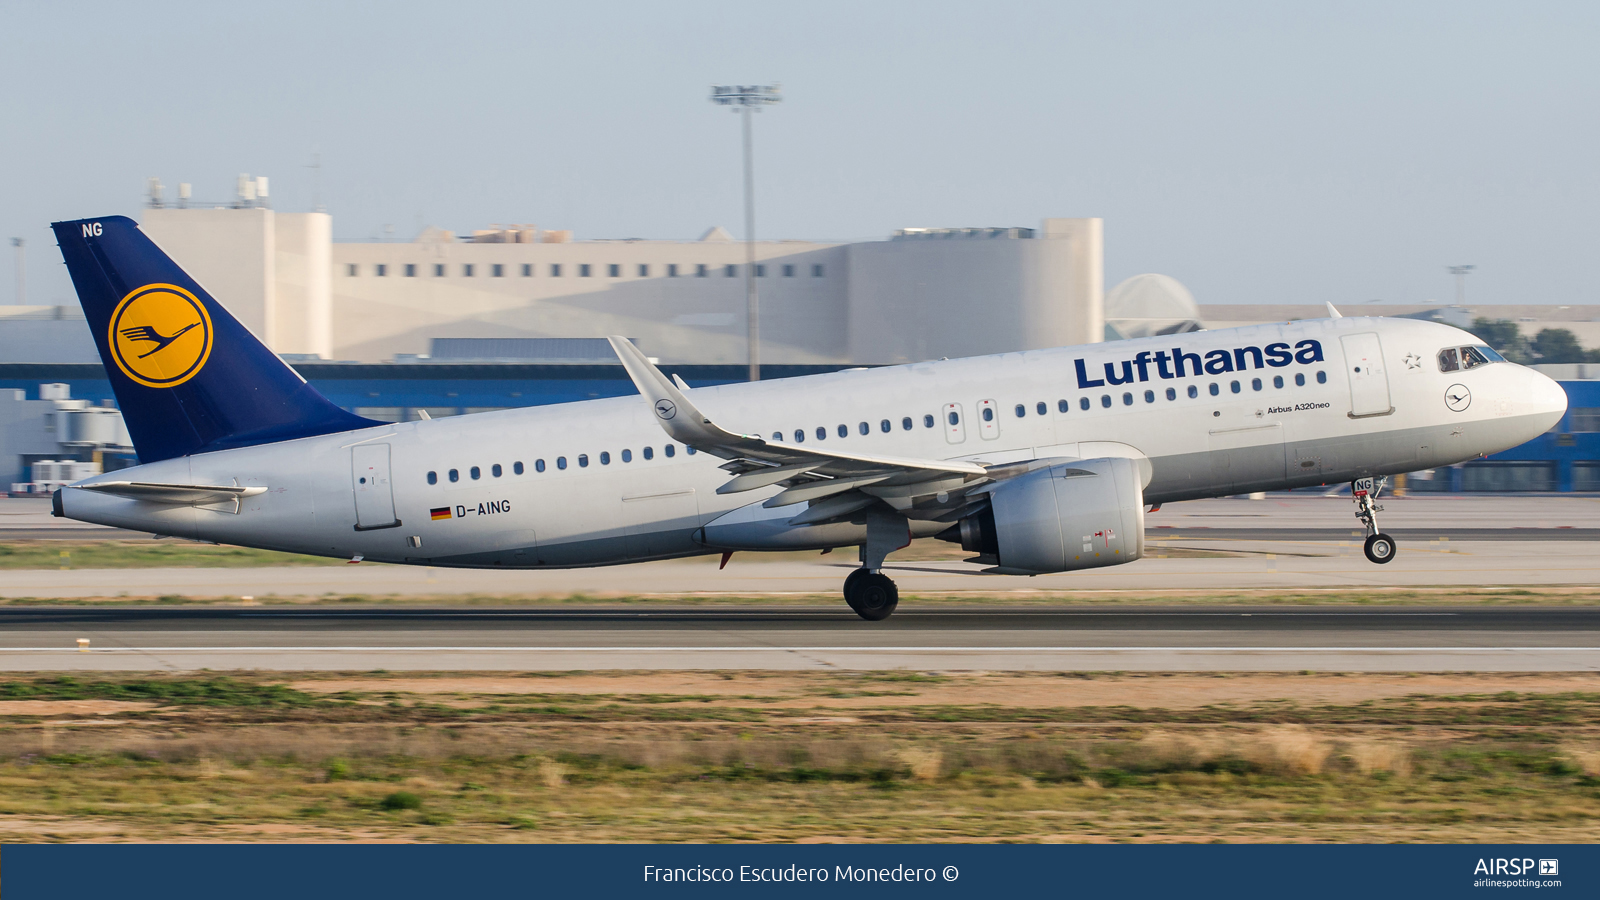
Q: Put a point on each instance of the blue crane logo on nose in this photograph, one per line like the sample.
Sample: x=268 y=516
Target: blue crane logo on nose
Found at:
x=666 y=409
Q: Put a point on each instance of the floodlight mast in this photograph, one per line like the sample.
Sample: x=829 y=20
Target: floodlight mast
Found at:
x=1461 y=273
x=746 y=99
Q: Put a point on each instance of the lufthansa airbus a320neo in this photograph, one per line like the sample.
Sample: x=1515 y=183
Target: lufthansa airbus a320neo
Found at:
x=1039 y=461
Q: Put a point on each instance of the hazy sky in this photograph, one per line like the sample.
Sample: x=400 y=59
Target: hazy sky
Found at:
x=1258 y=152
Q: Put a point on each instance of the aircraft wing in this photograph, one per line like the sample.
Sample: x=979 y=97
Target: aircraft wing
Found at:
x=808 y=473
x=176 y=494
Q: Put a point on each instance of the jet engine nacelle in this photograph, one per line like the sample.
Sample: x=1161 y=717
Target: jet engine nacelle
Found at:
x=1072 y=515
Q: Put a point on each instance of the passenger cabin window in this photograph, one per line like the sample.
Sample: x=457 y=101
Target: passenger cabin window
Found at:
x=1299 y=379
x=476 y=473
x=1062 y=406
x=1105 y=401
x=1193 y=392
x=516 y=468
x=1277 y=381
x=1255 y=384
x=1149 y=396
x=1040 y=408
x=1172 y=393
x=927 y=422
x=884 y=426
x=455 y=476
x=844 y=430
x=583 y=460
x=496 y=471
x=649 y=453
x=865 y=429
x=1214 y=389
x=1127 y=399
x=627 y=456
x=433 y=477
x=1083 y=403
x=605 y=457
x=905 y=424
x=1233 y=386
x=822 y=433
x=799 y=436
x=561 y=462
x=670 y=450
x=1322 y=378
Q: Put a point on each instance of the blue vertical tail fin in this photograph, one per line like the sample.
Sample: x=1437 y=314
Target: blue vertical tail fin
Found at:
x=188 y=376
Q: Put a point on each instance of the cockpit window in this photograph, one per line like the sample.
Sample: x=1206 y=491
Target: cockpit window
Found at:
x=1452 y=359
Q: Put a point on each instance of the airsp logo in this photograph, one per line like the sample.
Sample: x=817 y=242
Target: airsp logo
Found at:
x=666 y=409
x=160 y=335
x=1457 y=397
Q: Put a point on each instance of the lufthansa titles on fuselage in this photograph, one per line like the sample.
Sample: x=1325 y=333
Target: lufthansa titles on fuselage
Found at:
x=1179 y=364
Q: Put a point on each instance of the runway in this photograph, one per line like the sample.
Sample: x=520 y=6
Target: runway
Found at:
x=974 y=637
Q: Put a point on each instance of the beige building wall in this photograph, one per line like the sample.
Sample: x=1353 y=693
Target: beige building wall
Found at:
x=682 y=318
x=232 y=253
x=303 y=292
x=955 y=296
x=821 y=303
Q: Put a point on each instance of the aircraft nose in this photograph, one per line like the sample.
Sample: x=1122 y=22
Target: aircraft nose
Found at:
x=1544 y=399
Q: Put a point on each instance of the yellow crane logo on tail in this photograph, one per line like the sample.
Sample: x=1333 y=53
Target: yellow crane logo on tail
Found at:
x=160 y=335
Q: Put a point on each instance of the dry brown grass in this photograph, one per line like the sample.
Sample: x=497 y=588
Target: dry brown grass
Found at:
x=918 y=758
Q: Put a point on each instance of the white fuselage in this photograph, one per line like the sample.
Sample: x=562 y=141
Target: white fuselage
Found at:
x=612 y=504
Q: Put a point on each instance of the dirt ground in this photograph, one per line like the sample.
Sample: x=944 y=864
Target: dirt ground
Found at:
x=1158 y=690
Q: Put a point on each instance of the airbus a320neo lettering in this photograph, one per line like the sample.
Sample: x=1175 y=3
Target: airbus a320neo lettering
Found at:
x=1035 y=462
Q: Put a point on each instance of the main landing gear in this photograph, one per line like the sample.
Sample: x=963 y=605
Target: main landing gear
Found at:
x=869 y=592
x=1380 y=547
x=872 y=595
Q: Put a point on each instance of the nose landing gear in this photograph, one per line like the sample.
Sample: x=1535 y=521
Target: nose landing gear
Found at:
x=1379 y=547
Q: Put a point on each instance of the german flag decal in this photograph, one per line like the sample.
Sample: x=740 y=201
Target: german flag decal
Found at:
x=442 y=512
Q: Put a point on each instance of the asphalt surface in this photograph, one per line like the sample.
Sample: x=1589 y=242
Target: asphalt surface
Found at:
x=972 y=637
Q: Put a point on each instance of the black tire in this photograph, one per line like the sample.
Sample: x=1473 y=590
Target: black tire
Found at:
x=849 y=585
x=1380 y=548
x=872 y=595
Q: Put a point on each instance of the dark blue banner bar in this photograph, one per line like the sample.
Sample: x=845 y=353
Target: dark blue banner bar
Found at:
x=173 y=872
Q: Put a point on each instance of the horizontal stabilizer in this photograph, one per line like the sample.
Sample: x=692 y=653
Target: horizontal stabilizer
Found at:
x=176 y=494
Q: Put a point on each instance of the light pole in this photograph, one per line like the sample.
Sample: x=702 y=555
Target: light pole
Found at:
x=746 y=99
x=22 y=273
x=1461 y=273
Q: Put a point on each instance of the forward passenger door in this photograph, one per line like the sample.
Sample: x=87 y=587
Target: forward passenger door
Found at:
x=1369 y=383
